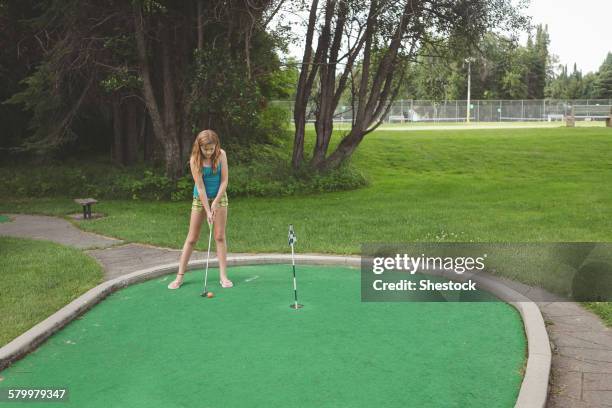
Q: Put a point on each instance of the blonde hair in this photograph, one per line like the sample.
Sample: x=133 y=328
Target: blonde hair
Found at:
x=204 y=138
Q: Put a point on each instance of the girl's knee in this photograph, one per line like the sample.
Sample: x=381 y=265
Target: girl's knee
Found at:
x=192 y=241
x=219 y=238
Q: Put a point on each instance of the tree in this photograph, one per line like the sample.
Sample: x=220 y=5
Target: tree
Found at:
x=575 y=88
x=513 y=81
x=602 y=87
x=56 y=90
x=184 y=65
x=20 y=54
x=588 y=86
x=499 y=71
x=537 y=60
x=181 y=40
x=575 y=85
x=383 y=36
x=433 y=76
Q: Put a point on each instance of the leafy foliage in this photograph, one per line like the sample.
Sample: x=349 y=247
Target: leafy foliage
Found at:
x=501 y=69
x=602 y=87
x=101 y=180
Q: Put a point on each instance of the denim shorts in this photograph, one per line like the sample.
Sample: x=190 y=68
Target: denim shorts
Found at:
x=197 y=204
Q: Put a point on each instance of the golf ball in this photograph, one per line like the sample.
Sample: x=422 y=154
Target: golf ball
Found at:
x=210 y=294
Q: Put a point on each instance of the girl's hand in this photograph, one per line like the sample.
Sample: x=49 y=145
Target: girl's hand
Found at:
x=210 y=216
x=214 y=206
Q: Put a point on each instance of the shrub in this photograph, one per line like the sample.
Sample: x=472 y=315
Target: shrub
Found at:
x=268 y=175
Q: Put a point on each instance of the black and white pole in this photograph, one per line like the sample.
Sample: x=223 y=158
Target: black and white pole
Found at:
x=292 y=241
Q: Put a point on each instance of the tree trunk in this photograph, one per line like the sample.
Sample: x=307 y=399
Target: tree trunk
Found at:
x=200 y=25
x=172 y=146
x=147 y=86
x=117 y=155
x=166 y=136
x=344 y=150
x=327 y=99
x=142 y=133
x=132 y=130
x=375 y=94
x=185 y=133
x=148 y=138
x=303 y=91
x=298 y=144
x=187 y=138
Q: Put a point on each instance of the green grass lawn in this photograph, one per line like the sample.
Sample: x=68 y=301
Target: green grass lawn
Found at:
x=540 y=185
x=39 y=278
x=497 y=185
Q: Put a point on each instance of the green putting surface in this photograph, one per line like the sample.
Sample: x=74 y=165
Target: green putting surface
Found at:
x=4 y=218
x=147 y=346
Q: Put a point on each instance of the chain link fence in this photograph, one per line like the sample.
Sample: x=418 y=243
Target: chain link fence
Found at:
x=424 y=111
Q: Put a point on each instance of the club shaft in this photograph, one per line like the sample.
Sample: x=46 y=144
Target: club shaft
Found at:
x=207 y=257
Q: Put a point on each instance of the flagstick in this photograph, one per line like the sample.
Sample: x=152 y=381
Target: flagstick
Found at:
x=292 y=240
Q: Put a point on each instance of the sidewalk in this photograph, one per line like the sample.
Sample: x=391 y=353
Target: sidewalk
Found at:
x=581 y=374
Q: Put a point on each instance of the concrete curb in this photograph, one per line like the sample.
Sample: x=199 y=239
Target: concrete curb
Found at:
x=534 y=388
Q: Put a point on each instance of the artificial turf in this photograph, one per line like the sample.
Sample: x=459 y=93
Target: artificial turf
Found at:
x=146 y=346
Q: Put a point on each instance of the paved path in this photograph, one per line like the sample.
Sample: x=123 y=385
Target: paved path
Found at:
x=128 y=258
x=53 y=229
x=582 y=357
x=582 y=346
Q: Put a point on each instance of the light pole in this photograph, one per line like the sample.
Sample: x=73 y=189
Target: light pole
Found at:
x=469 y=87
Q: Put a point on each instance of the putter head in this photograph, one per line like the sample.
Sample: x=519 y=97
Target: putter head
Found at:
x=204 y=294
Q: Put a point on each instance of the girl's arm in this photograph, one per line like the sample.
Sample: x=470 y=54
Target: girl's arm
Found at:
x=197 y=178
x=224 y=176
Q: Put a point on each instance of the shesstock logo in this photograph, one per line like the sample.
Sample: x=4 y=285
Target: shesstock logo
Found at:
x=442 y=272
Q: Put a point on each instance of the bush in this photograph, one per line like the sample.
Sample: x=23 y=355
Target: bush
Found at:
x=267 y=174
x=259 y=180
x=74 y=180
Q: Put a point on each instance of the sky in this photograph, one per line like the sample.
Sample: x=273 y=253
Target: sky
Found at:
x=580 y=31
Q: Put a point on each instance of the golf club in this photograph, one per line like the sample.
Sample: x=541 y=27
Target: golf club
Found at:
x=205 y=292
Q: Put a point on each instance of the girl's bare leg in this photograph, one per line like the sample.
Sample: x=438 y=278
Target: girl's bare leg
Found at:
x=195 y=225
x=221 y=244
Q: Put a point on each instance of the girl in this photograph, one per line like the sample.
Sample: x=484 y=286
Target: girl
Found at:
x=209 y=169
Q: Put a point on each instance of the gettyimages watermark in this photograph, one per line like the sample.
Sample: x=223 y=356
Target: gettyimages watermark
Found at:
x=465 y=272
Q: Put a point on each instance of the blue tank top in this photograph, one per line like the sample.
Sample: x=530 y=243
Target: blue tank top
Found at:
x=211 y=182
